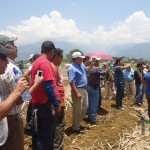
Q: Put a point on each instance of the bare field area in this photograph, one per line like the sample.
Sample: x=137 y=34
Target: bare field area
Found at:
x=113 y=131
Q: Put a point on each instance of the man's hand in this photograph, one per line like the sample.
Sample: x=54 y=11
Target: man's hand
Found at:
x=21 y=86
x=78 y=96
x=57 y=111
x=38 y=80
x=62 y=105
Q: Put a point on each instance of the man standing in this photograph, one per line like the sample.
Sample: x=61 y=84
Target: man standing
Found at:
x=78 y=81
x=44 y=101
x=138 y=74
x=60 y=123
x=94 y=91
x=7 y=104
x=15 y=122
x=120 y=82
x=129 y=81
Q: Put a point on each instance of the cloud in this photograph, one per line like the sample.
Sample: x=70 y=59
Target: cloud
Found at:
x=134 y=29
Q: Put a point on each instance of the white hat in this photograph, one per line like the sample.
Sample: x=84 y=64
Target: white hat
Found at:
x=31 y=56
x=96 y=58
x=77 y=54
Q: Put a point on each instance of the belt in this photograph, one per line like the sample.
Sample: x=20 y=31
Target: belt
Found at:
x=82 y=87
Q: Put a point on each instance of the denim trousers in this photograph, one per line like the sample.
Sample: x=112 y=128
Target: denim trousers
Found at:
x=119 y=94
x=93 y=100
x=139 y=94
x=43 y=135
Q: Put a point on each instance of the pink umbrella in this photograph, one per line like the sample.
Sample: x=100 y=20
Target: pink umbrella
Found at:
x=101 y=55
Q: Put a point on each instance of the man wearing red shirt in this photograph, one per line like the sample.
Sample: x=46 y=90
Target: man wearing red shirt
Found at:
x=44 y=101
x=60 y=123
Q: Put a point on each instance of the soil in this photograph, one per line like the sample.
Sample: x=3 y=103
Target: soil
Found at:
x=112 y=124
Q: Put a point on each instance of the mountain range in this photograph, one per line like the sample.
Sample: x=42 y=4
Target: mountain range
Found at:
x=137 y=51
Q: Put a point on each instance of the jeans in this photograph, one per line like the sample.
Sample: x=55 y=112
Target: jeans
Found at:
x=93 y=98
x=139 y=94
x=119 y=94
x=43 y=138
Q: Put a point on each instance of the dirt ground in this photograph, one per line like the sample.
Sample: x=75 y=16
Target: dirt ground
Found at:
x=112 y=124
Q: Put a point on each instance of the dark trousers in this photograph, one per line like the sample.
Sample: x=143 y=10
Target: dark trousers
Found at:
x=119 y=94
x=59 y=134
x=148 y=102
x=43 y=128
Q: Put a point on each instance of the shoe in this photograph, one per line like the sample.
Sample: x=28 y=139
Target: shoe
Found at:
x=79 y=131
x=95 y=123
x=82 y=128
x=138 y=104
x=120 y=108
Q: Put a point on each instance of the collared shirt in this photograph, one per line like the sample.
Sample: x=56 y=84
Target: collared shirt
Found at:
x=147 y=79
x=6 y=85
x=77 y=74
x=129 y=75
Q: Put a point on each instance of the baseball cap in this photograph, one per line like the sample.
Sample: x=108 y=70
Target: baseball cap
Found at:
x=6 y=51
x=96 y=58
x=48 y=45
x=31 y=56
x=77 y=54
x=5 y=39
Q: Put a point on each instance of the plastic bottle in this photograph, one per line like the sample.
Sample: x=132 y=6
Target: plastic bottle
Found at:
x=26 y=96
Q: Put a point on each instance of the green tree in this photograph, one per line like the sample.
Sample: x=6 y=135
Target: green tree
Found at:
x=69 y=56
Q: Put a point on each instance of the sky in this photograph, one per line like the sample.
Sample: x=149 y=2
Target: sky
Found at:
x=107 y=22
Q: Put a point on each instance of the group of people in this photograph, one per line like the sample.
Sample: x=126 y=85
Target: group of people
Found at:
x=45 y=114
x=47 y=102
x=85 y=76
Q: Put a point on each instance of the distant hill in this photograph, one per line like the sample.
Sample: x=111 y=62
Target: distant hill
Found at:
x=129 y=50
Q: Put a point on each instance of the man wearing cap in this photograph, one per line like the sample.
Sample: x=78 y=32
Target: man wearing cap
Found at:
x=15 y=121
x=138 y=74
x=94 y=91
x=10 y=101
x=6 y=105
x=44 y=100
x=78 y=80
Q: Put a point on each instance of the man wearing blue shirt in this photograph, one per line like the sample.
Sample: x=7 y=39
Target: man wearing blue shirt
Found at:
x=146 y=83
x=78 y=81
x=129 y=81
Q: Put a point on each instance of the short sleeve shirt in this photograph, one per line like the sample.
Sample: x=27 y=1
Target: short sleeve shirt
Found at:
x=147 y=79
x=39 y=95
x=137 y=76
x=7 y=84
x=119 y=76
x=77 y=74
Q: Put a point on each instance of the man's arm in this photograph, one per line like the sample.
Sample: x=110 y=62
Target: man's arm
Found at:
x=49 y=89
x=74 y=88
x=8 y=103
